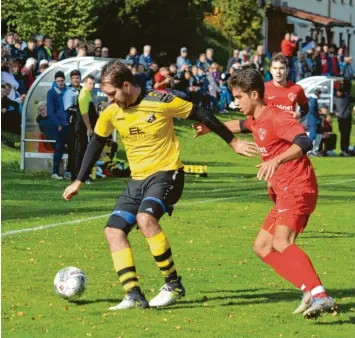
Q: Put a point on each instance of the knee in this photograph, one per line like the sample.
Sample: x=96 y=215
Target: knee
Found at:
x=280 y=244
x=261 y=248
x=148 y=225
x=114 y=235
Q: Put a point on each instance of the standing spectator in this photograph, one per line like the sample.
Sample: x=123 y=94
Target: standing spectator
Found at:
x=311 y=63
x=17 y=53
x=202 y=62
x=45 y=52
x=82 y=49
x=326 y=64
x=56 y=112
x=146 y=59
x=288 y=46
x=262 y=63
x=348 y=74
x=9 y=42
x=245 y=57
x=182 y=59
x=98 y=52
x=5 y=57
x=104 y=52
x=10 y=116
x=87 y=121
x=162 y=79
x=214 y=69
x=233 y=59
x=151 y=72
x=90 y=48
x=334 y=62
x=76 y=44
x=71 y=106
x=8 y=77
x=133 y=56
x=340 y=58
x=39 y=41
x=69 y=51
x=213 y=88
x=313 y=122
x=98 y=43
x=17 y=38
x=21 y=101
x=30 y=51
x=301 y=67
x=225 y=94
x=343 y=112
x=16 y=71
x=209 y=56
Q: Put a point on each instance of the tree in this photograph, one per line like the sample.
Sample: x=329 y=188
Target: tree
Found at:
x=240 y=20
x=57 y=18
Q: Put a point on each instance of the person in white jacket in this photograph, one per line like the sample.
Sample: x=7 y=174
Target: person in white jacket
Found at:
x=8 y=77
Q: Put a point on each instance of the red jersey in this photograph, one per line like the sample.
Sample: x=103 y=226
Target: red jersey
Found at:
x=285 y=98
x=160 y=78
x=274 y=132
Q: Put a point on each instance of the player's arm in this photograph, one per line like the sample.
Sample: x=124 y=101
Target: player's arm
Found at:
x=84 y=104
x=207 y=118
x=235 y=126
x=302 y=101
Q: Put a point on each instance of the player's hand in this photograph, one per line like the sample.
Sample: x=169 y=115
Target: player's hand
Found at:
x=90 y=132
x=267 y=169
x=201 y=129
x=296 y=114
x=72 y=190
x=60 y=128
x=244 y=148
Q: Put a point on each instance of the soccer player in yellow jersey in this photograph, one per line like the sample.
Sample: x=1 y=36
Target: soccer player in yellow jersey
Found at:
x=145 y=123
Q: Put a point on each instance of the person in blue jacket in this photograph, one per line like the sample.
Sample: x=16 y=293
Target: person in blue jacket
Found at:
x=58 y=115
x=314 y=120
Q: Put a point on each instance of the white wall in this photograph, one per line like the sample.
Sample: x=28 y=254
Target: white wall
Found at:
x=339 y=11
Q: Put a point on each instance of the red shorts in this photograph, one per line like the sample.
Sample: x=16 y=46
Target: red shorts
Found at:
x=292 y=210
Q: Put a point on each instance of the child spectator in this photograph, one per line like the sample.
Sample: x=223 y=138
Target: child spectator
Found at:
x=313 y=122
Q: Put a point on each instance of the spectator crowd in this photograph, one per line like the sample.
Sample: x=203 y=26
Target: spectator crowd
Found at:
x=202 y=81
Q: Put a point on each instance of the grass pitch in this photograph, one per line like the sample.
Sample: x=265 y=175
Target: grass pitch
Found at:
x=230 y=292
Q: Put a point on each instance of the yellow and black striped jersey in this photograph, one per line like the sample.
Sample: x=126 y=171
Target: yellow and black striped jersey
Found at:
x=147 y=132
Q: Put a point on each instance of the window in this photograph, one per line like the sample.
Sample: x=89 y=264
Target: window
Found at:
x=340 y=38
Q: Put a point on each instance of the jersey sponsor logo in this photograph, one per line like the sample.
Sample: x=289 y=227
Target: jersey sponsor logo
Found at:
x=263 y=151
x=292 y=96
x=271 y=97
x=151 y=118
x=282 y=107
x=135 y=131
x=262 y=133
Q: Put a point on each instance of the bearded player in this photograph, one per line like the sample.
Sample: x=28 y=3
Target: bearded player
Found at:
x=145 y=121
x=283 y=145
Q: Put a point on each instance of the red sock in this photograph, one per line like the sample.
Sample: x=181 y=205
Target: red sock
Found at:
x=299 y=262
x=282 y=267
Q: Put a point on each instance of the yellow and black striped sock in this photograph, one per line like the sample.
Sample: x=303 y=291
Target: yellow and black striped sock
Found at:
x=160 y=249
x=124 y=266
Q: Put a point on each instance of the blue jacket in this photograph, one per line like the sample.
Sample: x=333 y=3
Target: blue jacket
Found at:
x=146 y=61
x=313 y=117
x=55 y=106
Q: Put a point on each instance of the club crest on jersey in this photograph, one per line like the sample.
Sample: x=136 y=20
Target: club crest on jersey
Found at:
x=151 y=118
x=262 y=133
x=292 y=96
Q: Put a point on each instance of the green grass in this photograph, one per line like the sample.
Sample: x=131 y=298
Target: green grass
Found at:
x=230 y=292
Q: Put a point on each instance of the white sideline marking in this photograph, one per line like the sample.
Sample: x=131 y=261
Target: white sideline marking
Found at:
x=77 y=221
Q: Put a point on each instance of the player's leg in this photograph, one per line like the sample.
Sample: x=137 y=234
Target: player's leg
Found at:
x=162 y=192
x=120 y=223
x=299 y=266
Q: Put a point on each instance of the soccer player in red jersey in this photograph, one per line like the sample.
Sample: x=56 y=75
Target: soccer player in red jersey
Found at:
x=282 y=93
x=283 y=146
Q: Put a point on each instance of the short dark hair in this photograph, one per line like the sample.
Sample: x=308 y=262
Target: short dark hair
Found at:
x=75 y=72
x=31 y=40
x=248 y=80
x=317 y=91
x=279 y=57
x=87 y=77
x=116 y=73
x=47 y=37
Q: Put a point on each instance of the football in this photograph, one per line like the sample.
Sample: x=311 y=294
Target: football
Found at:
x=70 y=283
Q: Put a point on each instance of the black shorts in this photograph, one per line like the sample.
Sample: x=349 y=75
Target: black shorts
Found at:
x=155 y=195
